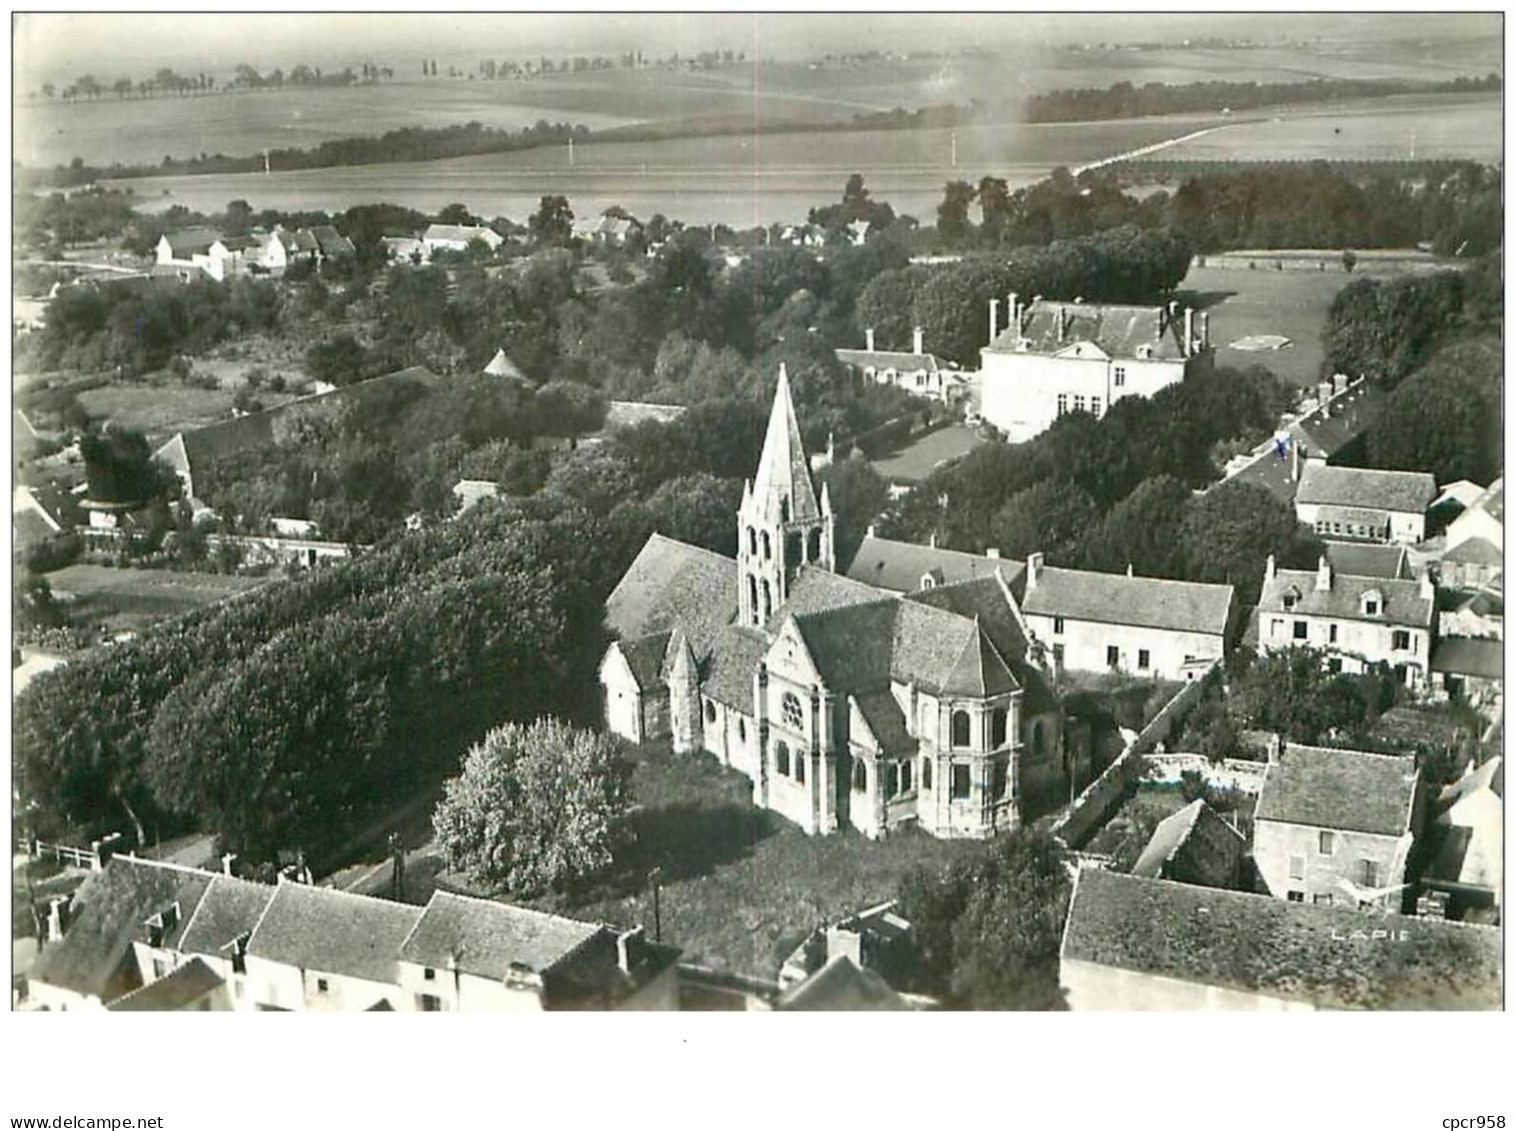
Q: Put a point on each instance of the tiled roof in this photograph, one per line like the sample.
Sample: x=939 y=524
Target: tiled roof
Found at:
x=1329 y=788
x=885 y=720
x=734 y=659
x=1406 y=492
x=851 y=646
x=899 y=566
x=182 y=986
x=189 y=240
x=108 y=912
x=334 y=932
x=890 y=359
x=330 y=241
x=1172 y=833
x=1475 y=551
x=1402 y=602
x=1317 y=954
x=488 y=939
x=841 y=985
x=1115 y=598
x=671 y=584
x=1116 y=330
x=1362 y=560
x=816 y=590
x=229 y=910
x=1459 y=655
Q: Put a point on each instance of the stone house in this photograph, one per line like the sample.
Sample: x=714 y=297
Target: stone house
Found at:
x=186 y=248
x=1133 y=943
x=1337 y=826
x=1059 y=357
x=457 y=237
x=1469 y=669
x=1466 y=843
x=918 y=372
x=1193 y=846
x=1473 y=552
x=1357 y=621
x=1359 y=504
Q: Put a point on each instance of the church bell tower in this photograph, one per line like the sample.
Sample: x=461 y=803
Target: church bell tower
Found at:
x=781 y=525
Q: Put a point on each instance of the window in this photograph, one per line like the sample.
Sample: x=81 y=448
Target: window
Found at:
x=1290 y=598
x=782 y=758
x=1326 y=842
x=784 y=509
x=1112 y=655
x=1057 y=626
x=789 y=707
x=1334 y=665
x=1296 y=896
x=752 y=597
x=997 y=727
x=1322 y=897
x=322 y=986
x=752 y=542
x=1400 y=640
x=1371 y=608
x=1078 y=402
x=998 y=779
x=431 y=1003
x=1299 y=630
x=1274 y=626
x=1331 y=634
x=1144 y=659
x=926 y=773
x=710 y=711
x=768 y=602
x=1120 y=376
x=1095 y=406
x=960 y=729
x=741 y=730
x=905 y=777
x=1297 y=867
x=1368 y=873
x=960 y=788
x=429 y=974
x=1063 y=403
x=860 y=775
x=800 y=766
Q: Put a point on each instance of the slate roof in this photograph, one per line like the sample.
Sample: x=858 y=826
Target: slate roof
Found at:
x=1171 y=835
x=107 y=915
x=334 y=932
x=488 y=939
x=1402 y=601
x=1331 y=427
x=229 y=910
x=1115 y=598
x=240 y=243
x=784 y=473
x=841 y=985
x=1316 y=954
x=899 y=566
x=1475 y=551
x=671 y=584
x=1404 y=492
x=645 y=657
x=816 y=590
x=885 y=720
x=1358 y=559
x=1330 y=788
x=182 y=986
x=734 y=659
x=330 y=241
x=1461 y=655
x=890 y=359
x=187 y=241
x=1116 y=330
x=851 y=646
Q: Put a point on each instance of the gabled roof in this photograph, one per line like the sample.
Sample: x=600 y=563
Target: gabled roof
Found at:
x=851 y=646
x=841 y=985
x=187 y=241
x=334 y=932
x=734 y=659
x=784 y=474
x=229 y=910
x=1472 y=656
x=1492 y=500
x=1116 y=331
x=459 y=233
x=239 y=243
x=330 y=241
x=671 y=584
x=502 y=366
x=108 y=913
x=1115 y=598
x=886 y=722
x=1402 y=602
x=1173 y=832
x=1357 y=559
x=900 y=566
x=644 y=656
x=1404 y=492
x=899 y=360
x=1331 y=427
x=181 y=987
x=1489 y=776
x=1318 y=954
x=816 y=590
x=1347 y=790
x=490 y=939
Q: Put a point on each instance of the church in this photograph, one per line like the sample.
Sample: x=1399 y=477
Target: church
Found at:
x=844 y=703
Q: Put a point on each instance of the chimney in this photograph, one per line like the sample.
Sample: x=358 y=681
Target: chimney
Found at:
x=932 y=540
x=868 y=339
x=1129 y=569
x=994 y=318
x=1323 y=391
x=1205 y=330
x=919 y=340
x=872 y=531
x=1189 y=332
x=993 y=552
x=623 y=958
x=1013 y=312
x=1339 y=384
x=57 y=917
x=1033 y=570
x=1269 y=570
x=1323 y=575
x=1295 y=461
x=226 y=864
x=1427 y=589
x=1274 y=749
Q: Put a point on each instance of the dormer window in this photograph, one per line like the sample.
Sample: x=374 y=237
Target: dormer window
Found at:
x=1291 y=598
x=928 y=581
x=1371 y=603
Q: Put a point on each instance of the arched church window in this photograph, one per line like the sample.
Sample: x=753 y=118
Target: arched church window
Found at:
x=752 y=541
x=960 y=728
x=800 y=766
x=926 y=773
x=860 y=775
x=997 y=728
x=784 y=509
x=768 y=547
x=789 y=708
x=768 y=600
x=813 y=546
x=710 y=711
x=782 y=757
x=752 y=596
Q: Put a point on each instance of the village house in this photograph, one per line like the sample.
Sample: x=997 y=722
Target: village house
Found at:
x=1358 y=504
x=1357 y=621
x=1058 y=357
x=842 y=703
x=1133 y=943
x=608 y=228
x=1369 y=559
x=1096 y=622
x=231 y=256
x=1473 y=554
x=404 y=249
x=1481 y=616
x=188 y=249
x=919 y=373
x=457 y=237
x=1466 y=843
x=903 y=567
x=1337 y=826
x=1469 y=669
x=1193 y=846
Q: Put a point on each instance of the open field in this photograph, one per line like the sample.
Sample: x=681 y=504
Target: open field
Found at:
x=159 y=412
x=915 y=463
x=129 y=600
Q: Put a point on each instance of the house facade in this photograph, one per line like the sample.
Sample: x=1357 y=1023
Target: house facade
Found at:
x=1359 y=504
x=918 y=372
x=1337 y=826
x=1059 y=357
x=1357 y=621
x=457 y=237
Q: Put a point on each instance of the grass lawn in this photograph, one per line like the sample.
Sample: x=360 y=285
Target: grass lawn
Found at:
x=121 y=600
x=160 y=411
x=915 y=463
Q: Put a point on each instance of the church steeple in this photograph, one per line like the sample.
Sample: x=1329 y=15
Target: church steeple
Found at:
x=781 y=525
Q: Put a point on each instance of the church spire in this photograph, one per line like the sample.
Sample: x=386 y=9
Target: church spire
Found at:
x=782 y=488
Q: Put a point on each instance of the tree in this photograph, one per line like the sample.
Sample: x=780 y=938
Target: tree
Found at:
x=119 y=468
x=1141 y=531
x=1228 y=534
x=885 y=306
x=994 y=209
x=1052 y=517
x=537 y=808
x=859 y=495
x=953 y=213
x=553 y=222
x=338 y=361
x=1445 y=418
x=1292 y=693
x=456 y=214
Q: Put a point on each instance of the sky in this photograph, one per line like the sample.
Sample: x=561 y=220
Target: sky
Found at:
x=56 y=46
